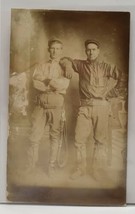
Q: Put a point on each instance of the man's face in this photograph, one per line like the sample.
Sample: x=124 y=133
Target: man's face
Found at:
x=92 y=51
x=55 y=50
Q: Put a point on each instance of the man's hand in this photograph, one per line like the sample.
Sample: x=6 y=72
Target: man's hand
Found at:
x=66 y=64
x=47 y=81
x=53 y=84
x=59 y=84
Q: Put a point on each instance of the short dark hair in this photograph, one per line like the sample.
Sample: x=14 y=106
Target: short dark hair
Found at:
x=51 y=41
x=92 y=41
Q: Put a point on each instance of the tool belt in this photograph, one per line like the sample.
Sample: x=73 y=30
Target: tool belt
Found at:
x=50 y=100
x=94 y=102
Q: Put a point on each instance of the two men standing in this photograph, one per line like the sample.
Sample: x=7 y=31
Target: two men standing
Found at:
x=97 y=82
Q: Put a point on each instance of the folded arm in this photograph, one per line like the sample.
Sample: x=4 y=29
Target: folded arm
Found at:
x=39 y=81
x=111 y=86
x=59 y=85
x=113 y=81
x=69 y=66
x=39 y=85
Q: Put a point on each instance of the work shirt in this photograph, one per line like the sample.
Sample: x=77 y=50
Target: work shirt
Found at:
x=96 y=79
x=49 y=80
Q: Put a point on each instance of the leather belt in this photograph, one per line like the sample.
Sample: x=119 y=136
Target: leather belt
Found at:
x=94 y=102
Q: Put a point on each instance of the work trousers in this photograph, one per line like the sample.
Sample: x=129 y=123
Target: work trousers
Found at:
x=40 y=119
x=93 y=119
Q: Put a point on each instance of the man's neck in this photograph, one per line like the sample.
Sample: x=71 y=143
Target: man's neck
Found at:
x=55 y=59
x=92 y=61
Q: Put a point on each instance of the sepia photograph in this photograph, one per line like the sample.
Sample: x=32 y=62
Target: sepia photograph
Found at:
x=68 y=107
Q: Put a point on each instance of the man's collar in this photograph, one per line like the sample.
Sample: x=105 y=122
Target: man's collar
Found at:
x=92 y=61
x=54 y=60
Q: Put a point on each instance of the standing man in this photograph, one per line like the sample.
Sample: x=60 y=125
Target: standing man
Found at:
x=51 y=85
x=97 y=83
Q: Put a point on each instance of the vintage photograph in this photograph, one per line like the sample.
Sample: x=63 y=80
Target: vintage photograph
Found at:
x=68 y=107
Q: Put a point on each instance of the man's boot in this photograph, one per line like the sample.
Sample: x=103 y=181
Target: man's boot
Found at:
x=53 y=159
x=99 y=164
x=51 y=170
x=81 y=163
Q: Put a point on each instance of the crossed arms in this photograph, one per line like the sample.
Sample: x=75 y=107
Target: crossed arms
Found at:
x=44 y=84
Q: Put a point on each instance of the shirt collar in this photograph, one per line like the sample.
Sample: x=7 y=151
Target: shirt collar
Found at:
x=92 y=62
x=54 y=60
